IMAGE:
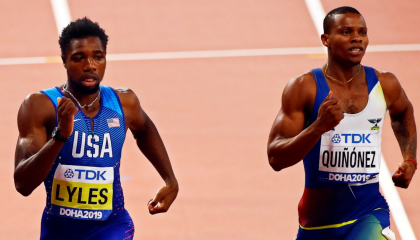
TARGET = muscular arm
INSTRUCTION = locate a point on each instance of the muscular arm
(35, 154)
(151, 145)
(288, 142)
(403, 124)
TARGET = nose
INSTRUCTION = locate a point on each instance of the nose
(90, 65)
(356, 38)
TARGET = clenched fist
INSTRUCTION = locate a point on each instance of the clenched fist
(65, 116)
(329, 114)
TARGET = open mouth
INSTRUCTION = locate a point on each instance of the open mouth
(356, 50)
(89, 80)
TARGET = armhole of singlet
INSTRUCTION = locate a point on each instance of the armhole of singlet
(54, 102)
(119, 103)
(321, 93)
(371, 78)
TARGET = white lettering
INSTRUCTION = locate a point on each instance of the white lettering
(82, 146)
(95, 146)
(106, 145)
(91, 140)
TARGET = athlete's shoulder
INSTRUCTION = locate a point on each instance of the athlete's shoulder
(305, 78)
(391, 87)
(302, 86)
(388, 80)
(127, 97)
(301, 82)
(36, 109)
(299, 93)
(37, 102)
(384, 75)
(130, 104)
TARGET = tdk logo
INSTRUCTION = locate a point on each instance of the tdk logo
(90, 174)
(351, 138)
(68, 173)
(336, 139)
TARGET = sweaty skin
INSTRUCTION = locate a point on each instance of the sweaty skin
(289, 142)
(36, 151)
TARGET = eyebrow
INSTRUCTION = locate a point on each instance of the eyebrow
(77, 53)
(81, 53)
(348, 26)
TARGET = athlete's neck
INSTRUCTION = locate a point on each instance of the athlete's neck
(340, 72)
(89, 100)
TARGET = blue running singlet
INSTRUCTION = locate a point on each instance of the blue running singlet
(84, 195)
(341, 170)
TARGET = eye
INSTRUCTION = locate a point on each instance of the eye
(99, 57)
(346, 32)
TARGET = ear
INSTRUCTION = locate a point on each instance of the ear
(325, 39)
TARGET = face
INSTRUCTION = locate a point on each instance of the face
(348, 40)
(85, 63)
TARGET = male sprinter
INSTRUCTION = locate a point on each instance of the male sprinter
(332, 117)
(70, 138)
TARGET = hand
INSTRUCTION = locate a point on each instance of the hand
(65, 114)
(163, 199)
(402, 177)
(329, 114)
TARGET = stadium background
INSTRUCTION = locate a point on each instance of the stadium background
(213, 107)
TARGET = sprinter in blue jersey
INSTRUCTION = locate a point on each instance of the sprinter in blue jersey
(70, 138)
(332, 117)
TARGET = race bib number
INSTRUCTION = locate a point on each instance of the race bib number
(82, 192)
(349, 157)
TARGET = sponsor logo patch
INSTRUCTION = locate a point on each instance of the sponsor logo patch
(68, 173)
(375, 121)
(82, 192)
(348, 156)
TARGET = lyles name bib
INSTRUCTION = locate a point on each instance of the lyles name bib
(82, 192)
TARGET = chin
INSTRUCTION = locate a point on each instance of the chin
(89, 90)
(83, 89)
(355, 61)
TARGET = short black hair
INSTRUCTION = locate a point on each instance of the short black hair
(81, 28)
(329, 19)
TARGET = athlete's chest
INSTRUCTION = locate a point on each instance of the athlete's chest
(351, 100)
(95, 141)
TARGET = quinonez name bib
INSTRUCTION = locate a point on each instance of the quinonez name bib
(349, 156)
(82, 192)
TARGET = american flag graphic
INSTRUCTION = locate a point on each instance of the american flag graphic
(113, 122)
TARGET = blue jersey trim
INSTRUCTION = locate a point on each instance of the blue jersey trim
(53, 94)
(323, 89)
(371, 78)
(112, 100)
(119, 103)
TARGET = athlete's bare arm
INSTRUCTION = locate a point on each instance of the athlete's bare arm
(35, 150)
(403, 124)
(288, 142)
(149, 142)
